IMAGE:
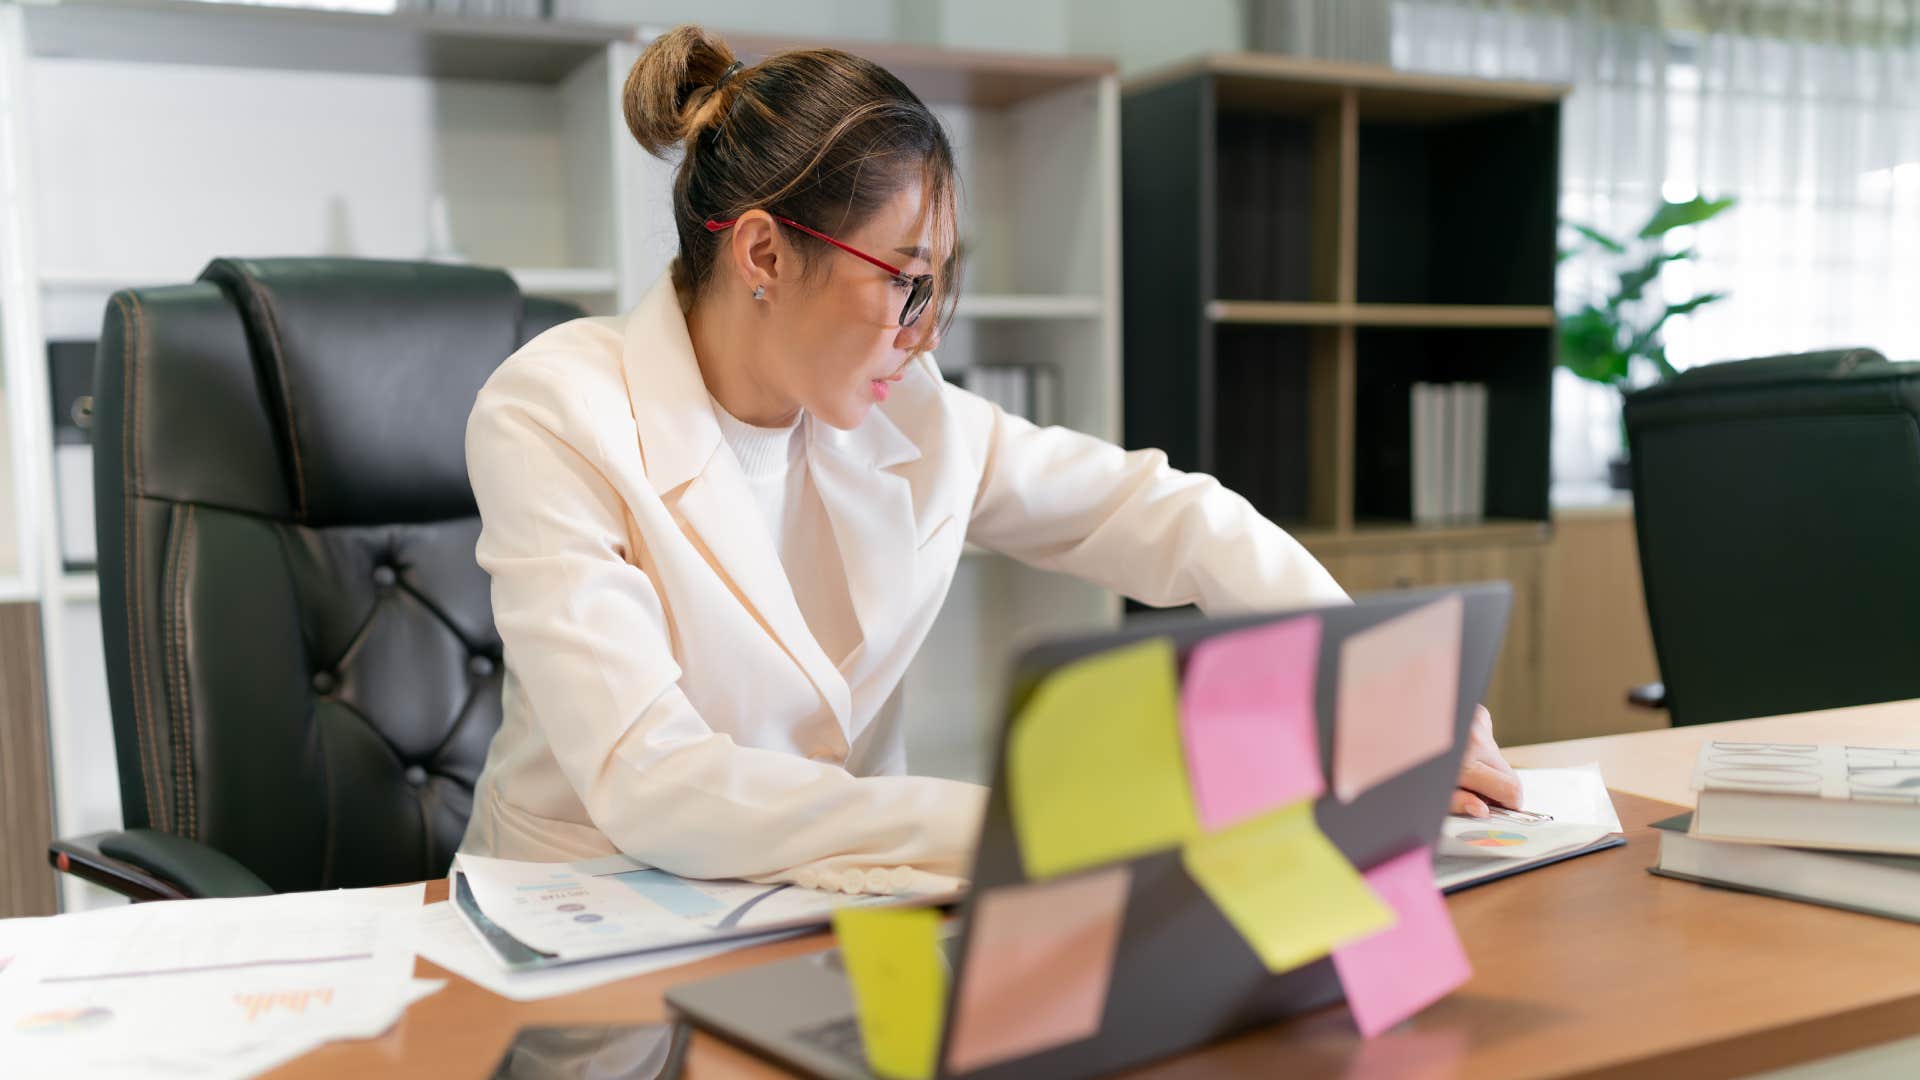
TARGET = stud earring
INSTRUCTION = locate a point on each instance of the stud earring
(759, 292)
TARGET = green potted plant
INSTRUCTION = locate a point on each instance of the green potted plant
(1615, 340)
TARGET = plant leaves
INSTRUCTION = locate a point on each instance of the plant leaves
(1644, 343)
(1686, 306)
(1598, 238)
(1589, 346)
(1673, 215)
(1633, 283)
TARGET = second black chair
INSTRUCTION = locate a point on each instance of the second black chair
(1777, 503)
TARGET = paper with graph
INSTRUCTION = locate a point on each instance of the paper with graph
(207, 988)
(555, 913)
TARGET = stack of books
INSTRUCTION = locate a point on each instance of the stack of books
(1449, 452)
(1825, 824)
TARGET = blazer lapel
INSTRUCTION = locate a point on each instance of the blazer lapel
(681, 445)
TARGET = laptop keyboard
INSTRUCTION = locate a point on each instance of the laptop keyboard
(839, 1038)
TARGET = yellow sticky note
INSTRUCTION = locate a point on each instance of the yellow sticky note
(899, 978)
(1095, 769)
(1285, 887)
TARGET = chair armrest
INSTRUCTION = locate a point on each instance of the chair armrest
(147, 864)
(1653, 695)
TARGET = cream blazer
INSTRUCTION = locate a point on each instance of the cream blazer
(663, 696)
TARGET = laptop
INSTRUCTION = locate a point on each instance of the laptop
(1181, 975)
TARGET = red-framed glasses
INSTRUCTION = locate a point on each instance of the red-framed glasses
(919, 286)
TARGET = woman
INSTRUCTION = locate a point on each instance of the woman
(720, 525)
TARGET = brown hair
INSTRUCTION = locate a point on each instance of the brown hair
(817, 135)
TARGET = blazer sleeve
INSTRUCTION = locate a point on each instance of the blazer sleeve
(1063, 500)
(589, 643)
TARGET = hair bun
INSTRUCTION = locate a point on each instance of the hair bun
(673, 90)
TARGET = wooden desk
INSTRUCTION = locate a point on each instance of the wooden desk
(1589, 968)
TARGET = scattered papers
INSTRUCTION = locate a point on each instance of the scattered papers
(207, 988)
(1583, 819)
(1573, 796)
(899, 977)
(443, 937)
(617, 906)
(1284, 886)
(1094, 764)
(1471, 849)
(1398, 972)
(1247, 714)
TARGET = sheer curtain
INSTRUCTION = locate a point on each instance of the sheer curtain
(1807, 111)
(1811, 115)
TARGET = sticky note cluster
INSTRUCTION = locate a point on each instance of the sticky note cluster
(1116, 756)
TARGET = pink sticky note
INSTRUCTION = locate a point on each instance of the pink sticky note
(1246, 715)
(1399, 682)
(1039, 960)
(1397, 972)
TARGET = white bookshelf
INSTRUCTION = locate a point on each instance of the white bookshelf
(1017, 306)
(141, 138)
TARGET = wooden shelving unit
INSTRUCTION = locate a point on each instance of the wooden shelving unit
(1317, 313)
(1305, 240)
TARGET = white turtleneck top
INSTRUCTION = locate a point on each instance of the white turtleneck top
(775, 463)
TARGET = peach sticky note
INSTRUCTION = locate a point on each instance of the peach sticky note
(1246, 711)
(1394, 974)
(1094, 768)
(1398, 685)
(1278, 879)
(899, 978)
(1039, 960)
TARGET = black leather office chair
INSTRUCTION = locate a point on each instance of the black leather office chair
(1777, 503)
(301, 654)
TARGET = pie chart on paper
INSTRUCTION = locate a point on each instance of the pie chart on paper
(1491, 838)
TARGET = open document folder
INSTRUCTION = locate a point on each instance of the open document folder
(536, 915)
(1564, 813)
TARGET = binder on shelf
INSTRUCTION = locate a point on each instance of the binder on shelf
(1025, 390)
(1456, 452)
(1449, 448)
(1474, 462)
(1425, 451)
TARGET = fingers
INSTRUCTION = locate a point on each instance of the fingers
(1464, 802)
(1480, 744)
(1490, 783)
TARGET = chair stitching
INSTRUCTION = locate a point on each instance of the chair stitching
(261, 297)
(190, 822)
(131, 313)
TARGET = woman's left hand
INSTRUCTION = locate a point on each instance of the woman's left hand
(1485, 776)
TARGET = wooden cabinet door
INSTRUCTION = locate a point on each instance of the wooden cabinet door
(1515, 695)
(1362, 572)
